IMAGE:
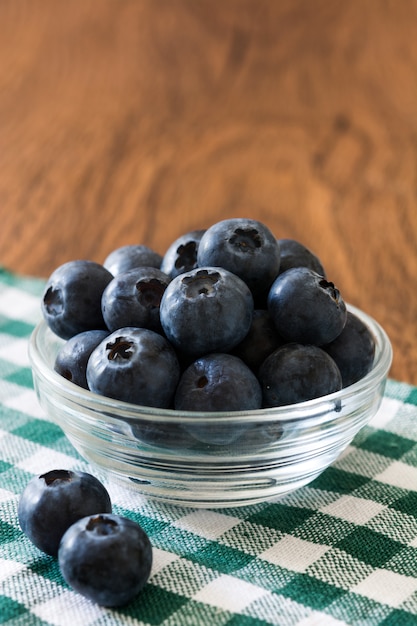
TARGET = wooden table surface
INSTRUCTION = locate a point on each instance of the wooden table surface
(134, 121)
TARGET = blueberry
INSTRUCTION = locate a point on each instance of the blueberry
(181, 255)
(305, 307)
(162, 434)
(295, 373)
(206, 310)
(246, 248)
(264, 433)
(106, 558)
(353, 350)
(217, 382)
(128, 257)
(132, 299)
(71, 360)
(52, 502)
(295, 254)
(261, 340)
(134, 365)
(71, 301)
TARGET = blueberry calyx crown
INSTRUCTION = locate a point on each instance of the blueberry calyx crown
(246, 239)
(331, 289)
(120, 348)
(56, 476)
(150, 292)
(53, 301)
(102, 525)
(202, 382)
(201, 283)
(187, 255)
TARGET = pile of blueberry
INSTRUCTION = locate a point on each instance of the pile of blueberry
(230, 318)
(103, 556)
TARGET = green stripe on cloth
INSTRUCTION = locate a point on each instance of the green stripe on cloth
(340, 551)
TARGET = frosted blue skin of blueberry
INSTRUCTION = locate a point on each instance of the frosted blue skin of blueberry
(295, 254)
(246, 248)
(296, 373)
(261, 340)
(52, 502)
(134, 365)
(353, 350)
(132, 299)
(128, 257)
(217, 382)
(167, 434)
(206, 310)
(71, 300)
(72, 358)
(305, 307)
(106, 558)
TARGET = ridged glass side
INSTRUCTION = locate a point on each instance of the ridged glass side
(268, 454)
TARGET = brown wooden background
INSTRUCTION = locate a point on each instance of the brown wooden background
(126, 121)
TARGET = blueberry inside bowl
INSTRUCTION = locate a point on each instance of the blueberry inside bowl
(216, 459)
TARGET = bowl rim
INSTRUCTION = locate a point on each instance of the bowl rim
(118, 409)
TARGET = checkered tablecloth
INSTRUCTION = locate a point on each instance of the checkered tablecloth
(342, 550)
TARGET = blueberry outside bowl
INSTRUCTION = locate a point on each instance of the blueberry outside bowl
(231, 459)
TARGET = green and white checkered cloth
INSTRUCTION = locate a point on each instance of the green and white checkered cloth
(342, 550)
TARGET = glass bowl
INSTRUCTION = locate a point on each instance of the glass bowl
(208, 459)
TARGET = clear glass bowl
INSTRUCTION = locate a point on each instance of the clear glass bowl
(229, 459)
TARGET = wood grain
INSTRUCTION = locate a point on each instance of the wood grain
(135, 121)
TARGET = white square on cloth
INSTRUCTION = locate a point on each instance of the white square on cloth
(351, 509)
(15, 350)
(161, 558)
(25, 401)
(230, 594)
(68, 609)
(399, 474)
(9, 568)
(293, 553)
(6, 495)
(321, 619)
(207, 524)
(16, 304)
(386, 412)
(35, 463)
(386, 587)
